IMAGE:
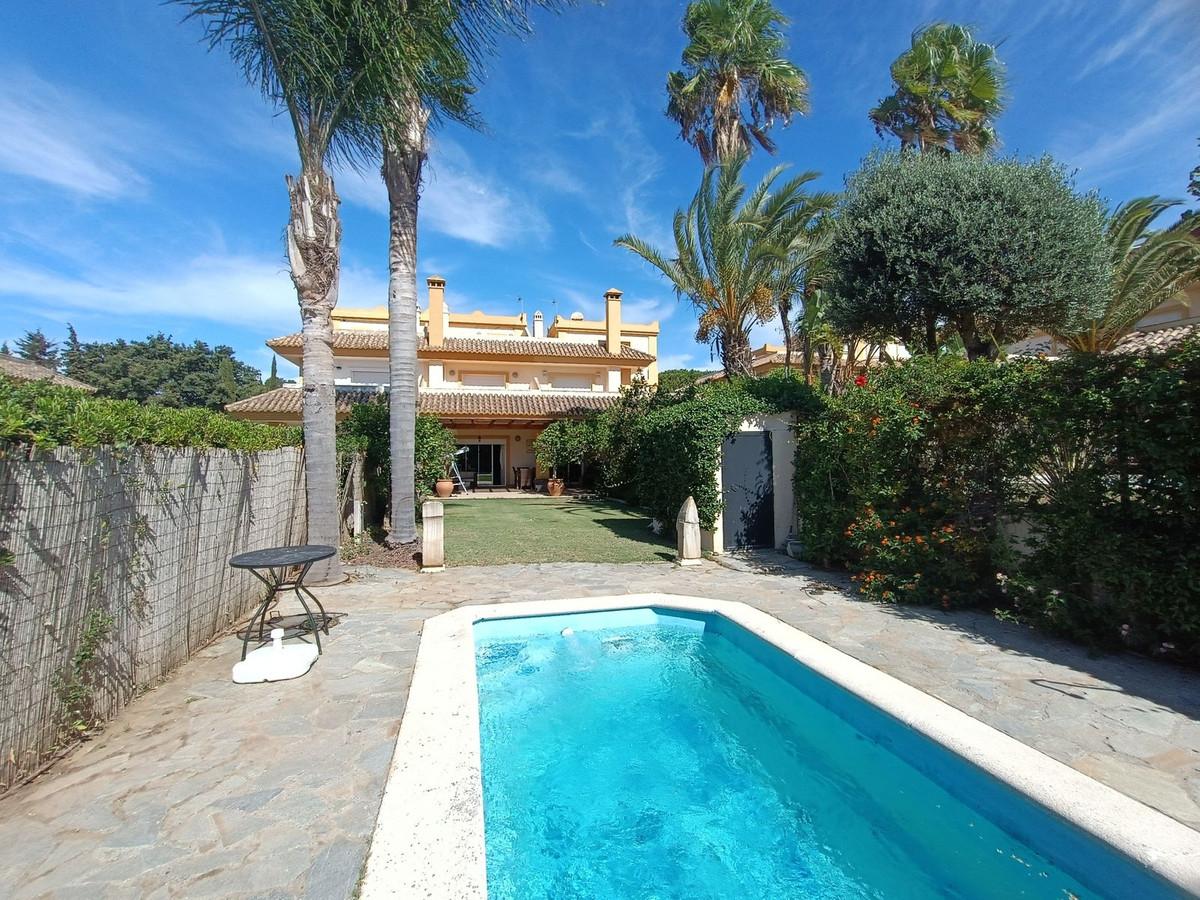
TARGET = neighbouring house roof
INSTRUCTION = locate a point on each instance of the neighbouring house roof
(375, 343)
(380, 314)
(511, 404)
(286, 402)
(766, 355)
(592, 326)
(28, 370)
(1153, 340)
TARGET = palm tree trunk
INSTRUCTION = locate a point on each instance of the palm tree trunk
(314, 235)
(735, 354)
(402, 164)
(785, 313)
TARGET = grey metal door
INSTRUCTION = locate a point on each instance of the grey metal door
(747, 491)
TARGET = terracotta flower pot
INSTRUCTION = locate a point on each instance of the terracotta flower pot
(444, 487)
(554, 486)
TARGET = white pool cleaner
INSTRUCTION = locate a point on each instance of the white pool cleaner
(275, 662)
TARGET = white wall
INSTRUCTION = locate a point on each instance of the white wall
(783, 451)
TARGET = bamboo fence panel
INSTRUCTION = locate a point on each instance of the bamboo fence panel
(141, 535)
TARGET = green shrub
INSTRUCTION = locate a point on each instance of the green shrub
(914, 481)
(659, 447)
(366, 429)
(1113, 557)
(567, 441)
(905, 479)
(46, 415)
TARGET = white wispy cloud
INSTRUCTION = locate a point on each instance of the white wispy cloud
(556, 174)
(1169, 111)
(647, 309)
(1141, 29)
(228, 289)
(459, 200)
(56, 137)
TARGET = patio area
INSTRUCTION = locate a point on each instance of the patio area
(205, 788)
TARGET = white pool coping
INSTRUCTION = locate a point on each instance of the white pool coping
(429, 837)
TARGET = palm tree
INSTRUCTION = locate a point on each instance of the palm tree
(735, 83)
(1149, 268)
(728, 248)
(445, 39)
(949, 91)
(442, 88)
(324, 63)
(801, 269)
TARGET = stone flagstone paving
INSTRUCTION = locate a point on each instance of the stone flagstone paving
(202, 788)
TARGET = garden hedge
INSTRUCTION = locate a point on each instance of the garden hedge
(1062, 493)
(46, 415)
(656, 448)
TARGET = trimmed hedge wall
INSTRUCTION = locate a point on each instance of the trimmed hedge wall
(657, 448)
(48, 415)
(1062, 493)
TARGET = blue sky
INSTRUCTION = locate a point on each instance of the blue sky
(143, 181)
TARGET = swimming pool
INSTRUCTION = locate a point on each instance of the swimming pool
(703, 749)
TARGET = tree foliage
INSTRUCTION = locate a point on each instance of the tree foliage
(948, 92)
(930, 244)
(162, 372)
(1148, 268)
(728, 246)
(735, 82)
(47, 415)
(36, 347)
(674, 379)
(566, 441)
(365, 430)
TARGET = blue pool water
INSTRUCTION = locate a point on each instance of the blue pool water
(654, 754)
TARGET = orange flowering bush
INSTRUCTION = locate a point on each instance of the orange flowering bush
(903, 479)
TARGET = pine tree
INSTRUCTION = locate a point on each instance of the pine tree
(226, 380)
(37, 348)
(69, 357)
(273, 381)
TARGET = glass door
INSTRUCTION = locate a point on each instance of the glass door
(485, 462)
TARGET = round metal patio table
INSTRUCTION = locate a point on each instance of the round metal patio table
(276, 561)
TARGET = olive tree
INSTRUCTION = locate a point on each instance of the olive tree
(930, 246)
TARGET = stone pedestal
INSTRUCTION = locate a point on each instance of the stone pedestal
(687, 531)
(433, 536)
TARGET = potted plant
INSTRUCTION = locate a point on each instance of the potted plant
(444, 486)
(555, 449)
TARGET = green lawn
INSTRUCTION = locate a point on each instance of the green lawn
(494, 532)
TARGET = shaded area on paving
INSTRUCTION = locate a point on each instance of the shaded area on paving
(202, 788)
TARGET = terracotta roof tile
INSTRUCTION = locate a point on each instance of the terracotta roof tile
(287, 401)
(516, 404)
(1157, 339)
(28, 370)
(345, 339)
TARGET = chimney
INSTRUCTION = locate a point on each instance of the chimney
(437, 309)
(612, 320)
(539, 325)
